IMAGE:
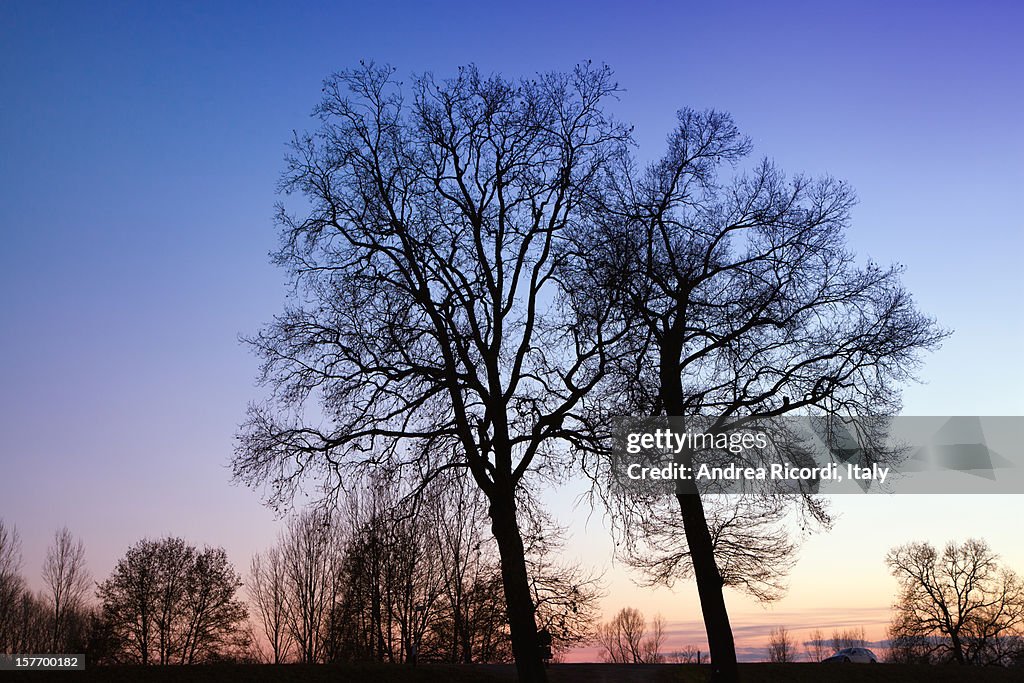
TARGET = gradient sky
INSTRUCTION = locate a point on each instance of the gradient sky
(139, 149)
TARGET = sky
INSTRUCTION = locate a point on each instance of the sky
(141, 143)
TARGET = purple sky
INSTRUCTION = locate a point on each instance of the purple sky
(140, 145)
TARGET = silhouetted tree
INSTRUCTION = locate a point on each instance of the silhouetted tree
(909, 649)
(959, 604)
(848, 637)
(67, 581)
(32, 628)
(469, 566)
(393, 571)
(45, 622)
(169, 603)
(214, 619)
(268, 594)
(12, 585)
(310, 550)
(781, 648)
(690, 654)
(741, 301)
(814, 648)
(566, 595)
(628, 639)
(425, 273)
(655, 639)
(104, 646)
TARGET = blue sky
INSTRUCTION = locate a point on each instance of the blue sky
(140, 145)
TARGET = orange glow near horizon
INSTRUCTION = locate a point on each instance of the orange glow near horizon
(751, 632)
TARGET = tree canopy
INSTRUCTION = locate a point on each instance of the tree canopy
(167, 602)
(482, 274)
(957, 604)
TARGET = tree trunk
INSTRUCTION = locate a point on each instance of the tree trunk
(709, 585)
(518, 602)
(958, 648)
(698, 537)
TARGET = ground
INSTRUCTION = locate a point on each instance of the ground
(559, 673)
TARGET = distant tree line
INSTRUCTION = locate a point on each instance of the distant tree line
(404, 578)
(782, 647)
(958, 604)
(388, 575)
(166, 602)
(818, 647)
(56, 619)
(385, 575)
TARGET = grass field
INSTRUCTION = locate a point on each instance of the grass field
(559, 673)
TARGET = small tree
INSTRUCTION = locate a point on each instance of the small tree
(267, 592)
(781, 648)
(67, 581)
(33, 632)
(688, 655)
(626, 639)
(215, 620)
(655, 640)
(12, 585)
(851, 637)
(815, 647)
(310, 550)
(959, 604)
(909, 649)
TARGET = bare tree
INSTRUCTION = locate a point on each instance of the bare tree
(565, 594)
(32, 632)
(781, 648)
(626, 639)
(620, 638)
(815, 647)
(25, 620)
(688, 655)
(468, 563)
(850, 637)
(750, 536)
(905, 648)
(268, 594)
(168, 603)
(393, 575)
(311, 554)
(424, 270)
(655, 640)
(959, 604)
(12, 585)
(213, 618)
(67, 580)
(741, 302)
